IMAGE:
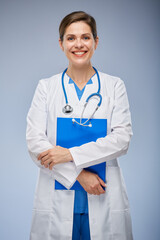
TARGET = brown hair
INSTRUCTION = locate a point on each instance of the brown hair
(76, 17)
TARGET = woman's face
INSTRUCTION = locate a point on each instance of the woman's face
(78, 44)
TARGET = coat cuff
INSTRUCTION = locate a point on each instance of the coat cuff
(75, 151)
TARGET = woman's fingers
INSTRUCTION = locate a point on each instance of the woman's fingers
(100, 190)
(44, 159)
(56, 155)
(91, 182)
(51, 166)
(102, 182)
(47, 162)
(43, 154)
(97, 190)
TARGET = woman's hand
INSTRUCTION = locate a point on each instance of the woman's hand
(55, 156)
(91, 182)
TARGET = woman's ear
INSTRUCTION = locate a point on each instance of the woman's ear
(61, 44)
(96, 42)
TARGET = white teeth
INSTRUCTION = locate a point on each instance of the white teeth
(79, 53)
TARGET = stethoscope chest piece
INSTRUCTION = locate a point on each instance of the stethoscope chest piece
(67, 109)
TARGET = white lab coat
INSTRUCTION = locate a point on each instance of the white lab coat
(109, 213)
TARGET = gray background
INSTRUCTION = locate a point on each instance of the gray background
(129, 38)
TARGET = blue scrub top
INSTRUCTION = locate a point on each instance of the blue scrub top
(81, 200)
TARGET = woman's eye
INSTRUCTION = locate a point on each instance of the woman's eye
(70, 38)
(86, 38)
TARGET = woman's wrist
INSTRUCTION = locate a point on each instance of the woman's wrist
(69, 155)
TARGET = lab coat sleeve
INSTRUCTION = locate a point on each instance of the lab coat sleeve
(37, 140)
(116, 142)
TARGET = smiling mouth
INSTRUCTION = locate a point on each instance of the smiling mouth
(79, 54)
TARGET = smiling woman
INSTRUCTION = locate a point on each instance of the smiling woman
(79, 45)
(82, 206)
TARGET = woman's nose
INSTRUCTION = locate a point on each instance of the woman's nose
(79, 43)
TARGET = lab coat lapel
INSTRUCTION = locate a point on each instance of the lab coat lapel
(89, 89)
(70, 91)
(73, 98)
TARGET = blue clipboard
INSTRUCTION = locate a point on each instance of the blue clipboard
(71, 134)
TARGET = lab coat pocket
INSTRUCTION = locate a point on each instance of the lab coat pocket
(43, 193)
(119, 206)
(40, 225)
(121, 225)
(117, 189)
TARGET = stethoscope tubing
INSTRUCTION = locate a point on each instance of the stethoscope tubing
(64, 90)
(99, 82)
(87, 100)
(99, 87)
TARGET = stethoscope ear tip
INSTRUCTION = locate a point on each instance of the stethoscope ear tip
(81, 124)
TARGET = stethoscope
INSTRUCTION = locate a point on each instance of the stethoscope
(67, 109)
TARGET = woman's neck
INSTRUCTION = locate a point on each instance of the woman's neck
(80, 75)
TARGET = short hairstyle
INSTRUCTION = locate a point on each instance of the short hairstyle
(76, 17)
